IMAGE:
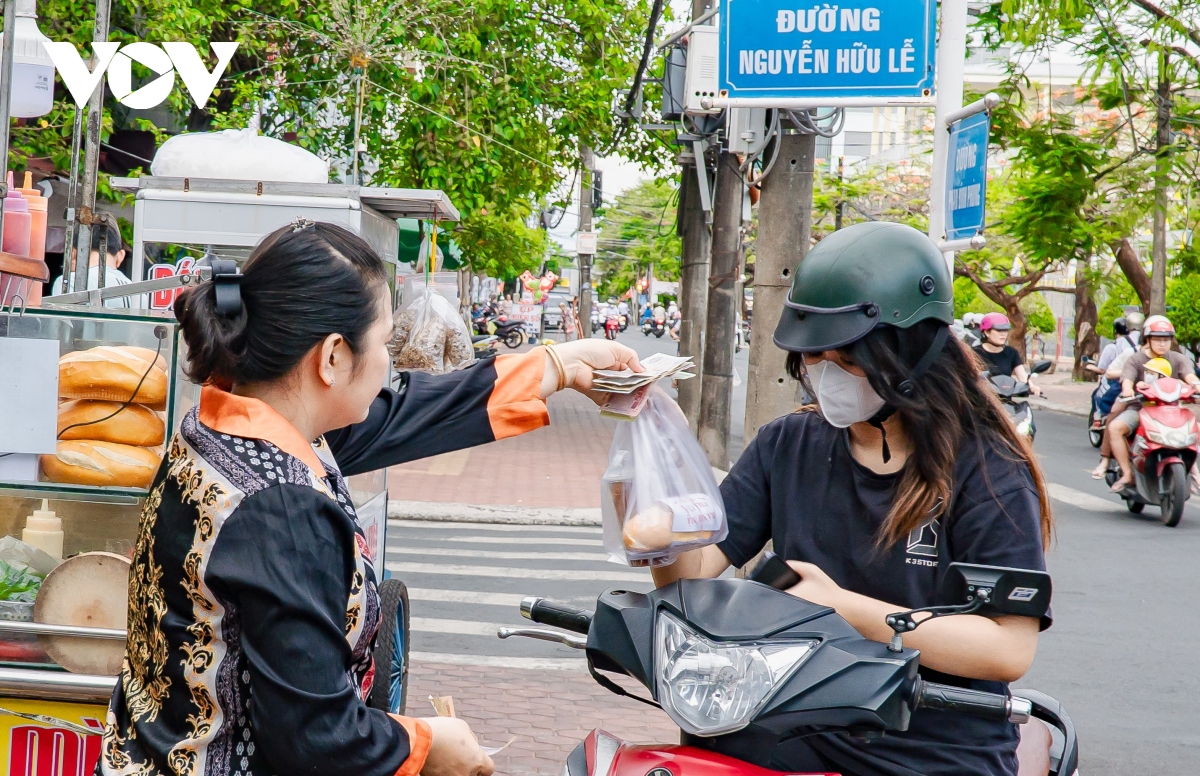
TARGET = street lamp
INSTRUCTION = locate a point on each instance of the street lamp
(32, 92)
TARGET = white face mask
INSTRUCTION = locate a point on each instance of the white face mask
(845, 398)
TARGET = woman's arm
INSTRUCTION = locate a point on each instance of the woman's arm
(705, 563)
(968, 645)
(493, 399)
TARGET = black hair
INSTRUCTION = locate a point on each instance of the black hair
(945, 407)
(299, 286)
(1120, 327)
(115, 242)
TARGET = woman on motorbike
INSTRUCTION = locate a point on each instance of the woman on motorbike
(906, 464)
(998, 356)
(253, 601)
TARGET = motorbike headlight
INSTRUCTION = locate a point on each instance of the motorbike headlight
(1023, 427)
(710, 687)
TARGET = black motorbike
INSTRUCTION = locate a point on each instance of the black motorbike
(742, 667)
(1009, 390)
(511, 333)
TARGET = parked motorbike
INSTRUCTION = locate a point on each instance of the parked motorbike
(611, 327)
(1163, 449)
(655, 326)
(741, 667)
(511, 333)
(1009, 390)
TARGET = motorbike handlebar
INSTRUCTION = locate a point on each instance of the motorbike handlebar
(556, 615)
(987, 705)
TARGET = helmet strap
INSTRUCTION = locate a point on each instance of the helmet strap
(907, 388)
(876, 420)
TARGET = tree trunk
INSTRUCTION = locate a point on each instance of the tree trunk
(1087, 340)
(1135, 273)
(1016, 317)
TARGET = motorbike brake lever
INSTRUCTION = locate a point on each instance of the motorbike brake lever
(574, 642)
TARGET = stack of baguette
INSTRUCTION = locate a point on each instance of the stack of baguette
(125, 449)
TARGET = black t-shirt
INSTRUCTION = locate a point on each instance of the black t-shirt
(798, 484)
(1002, 363)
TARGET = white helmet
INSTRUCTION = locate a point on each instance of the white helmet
(1158, 326)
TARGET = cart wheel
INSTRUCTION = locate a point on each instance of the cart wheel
(390, 691)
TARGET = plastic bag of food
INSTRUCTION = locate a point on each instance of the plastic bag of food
(658, 496)
(430, 335)
(22, 568)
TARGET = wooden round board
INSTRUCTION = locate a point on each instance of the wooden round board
(90, 589)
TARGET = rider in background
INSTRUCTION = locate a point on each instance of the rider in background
(1000, 357)
(1125, 341)
(1159, 335)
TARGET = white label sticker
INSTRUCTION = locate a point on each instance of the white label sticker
(693, 513)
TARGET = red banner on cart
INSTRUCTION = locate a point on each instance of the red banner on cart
(34, 749)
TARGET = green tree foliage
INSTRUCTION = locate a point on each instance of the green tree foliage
(637, 232)
(1183, 305)
(1120, 295)
(488, 100)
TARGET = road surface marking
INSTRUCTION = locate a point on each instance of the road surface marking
(500, 572)
(454, 552)
(464, 597)
(493, 661)
(520, 540)
(460, 627)
(1077, 498)
(439, 525)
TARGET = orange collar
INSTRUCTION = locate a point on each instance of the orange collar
(242, 416)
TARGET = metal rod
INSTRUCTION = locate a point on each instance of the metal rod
(951, 59)
(985, 103)
(55, 685)
(47, 629)
(807, 103)
(6, 68)
(70, 255)
(91, 157)
(131, 289)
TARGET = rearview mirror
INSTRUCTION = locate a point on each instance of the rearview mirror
(1040, 366)
(1021, 592)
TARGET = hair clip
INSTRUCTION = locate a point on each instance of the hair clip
(227, 285)
(302, 223)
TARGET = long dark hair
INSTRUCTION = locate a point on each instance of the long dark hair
(949, 408)
(301, 284)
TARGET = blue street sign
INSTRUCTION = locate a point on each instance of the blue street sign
(856, 49)
(966, 177)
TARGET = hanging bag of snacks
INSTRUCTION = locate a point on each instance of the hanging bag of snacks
(430, 335)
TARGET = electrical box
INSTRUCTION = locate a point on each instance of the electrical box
(703, 58)
(674, 85)
(746, 130)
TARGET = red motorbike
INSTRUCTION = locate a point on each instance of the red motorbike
(1163, 450)
(612, 327)
(742, 667)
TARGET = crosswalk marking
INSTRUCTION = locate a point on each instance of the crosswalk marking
(454, 552)
(521, 540)
(519, 573)
(1077, 498)
(464, 597)
(494, 661)
(460, 627)
(438, 525)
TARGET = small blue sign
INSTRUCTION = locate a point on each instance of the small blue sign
(856, 49)
(966, 177)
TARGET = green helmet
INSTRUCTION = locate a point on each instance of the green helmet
(860, 277)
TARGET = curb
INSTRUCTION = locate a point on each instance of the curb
(475, 513)
(1064, 409)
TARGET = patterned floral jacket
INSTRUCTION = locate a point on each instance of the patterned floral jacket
(252, 598)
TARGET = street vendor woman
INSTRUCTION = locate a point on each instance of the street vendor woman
(252, 595)
(905, 464)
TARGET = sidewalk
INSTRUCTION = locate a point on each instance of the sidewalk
(1062, 394)
(549, 712)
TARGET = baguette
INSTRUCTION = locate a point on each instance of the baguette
(111, 374)
(133, 425)
(88, 462)
(651, 531)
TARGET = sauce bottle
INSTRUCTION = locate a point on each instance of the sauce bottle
(17, 222)
(37, 231)
(43, 529)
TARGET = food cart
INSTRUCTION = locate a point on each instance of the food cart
(61, 644)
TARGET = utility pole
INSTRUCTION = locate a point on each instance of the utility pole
(693, 270)
(716, 381)
(585, 225)
(1162, 182)
(693, 288)
(952, 45)
(784, 236)
(91, 168)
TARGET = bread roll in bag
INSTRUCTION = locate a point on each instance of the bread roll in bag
(111, 374)
(88, 462)
(133, 425)
(651, 530)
